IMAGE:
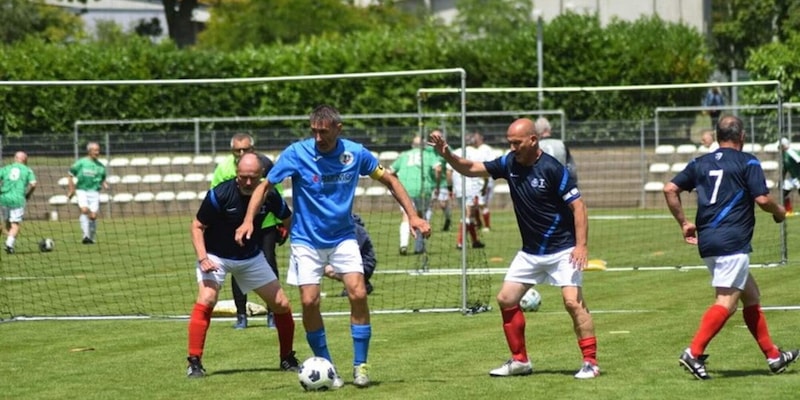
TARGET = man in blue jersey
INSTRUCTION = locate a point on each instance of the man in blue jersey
(324, 170)
(212, 230)
(554, 226)
(728, 183)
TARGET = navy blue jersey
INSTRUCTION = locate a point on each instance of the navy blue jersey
(223, 210)
(541, 195)
(726, 181)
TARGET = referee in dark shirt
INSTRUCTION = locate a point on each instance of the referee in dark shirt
(212, 230)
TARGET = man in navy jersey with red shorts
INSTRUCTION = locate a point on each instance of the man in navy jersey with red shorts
(554, 226)
(728, 183)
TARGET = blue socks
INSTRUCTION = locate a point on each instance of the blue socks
(319, 344)
(361, 335)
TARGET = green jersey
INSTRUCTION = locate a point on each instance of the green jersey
(791, 163)
(227, 170)
(88, 173)
(409, 170)
(15, 178)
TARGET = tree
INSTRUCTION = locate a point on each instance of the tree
(491, 17)
(178, 13)
(20, 19)
(739, 27)
(235, 24)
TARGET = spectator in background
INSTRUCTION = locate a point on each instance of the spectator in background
(443, 192)
(368, 259)
(707, 141)
(554, 147)
(468, 192)
(17, 183)
(416, 170)
(86, 177)
(791, 171)
(484, 153)
(713, 100)
(274, 233)
(728, 183)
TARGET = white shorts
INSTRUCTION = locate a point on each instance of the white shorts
(554, 269)
(443, 196)
(12, 215)
(791, 184)
(485, 199)
(250, 274)
(307, 265)
(88, 199)
(729, 271)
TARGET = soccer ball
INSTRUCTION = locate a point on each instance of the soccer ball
(531, 301)
(46, 245)
(316, 374)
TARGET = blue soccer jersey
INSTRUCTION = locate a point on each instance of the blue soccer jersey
(323, 189)
(541, 194)
(726, 182)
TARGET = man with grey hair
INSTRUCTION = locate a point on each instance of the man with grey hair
(86, 177)
(554, 147)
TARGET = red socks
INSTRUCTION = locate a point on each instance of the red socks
(198, 327)
(285, 326)
(514, 327)
(589, 349)
(757, 324)
(711, 323)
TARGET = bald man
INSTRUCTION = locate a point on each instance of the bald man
(17, 183)
(554, 226)
(218, 255)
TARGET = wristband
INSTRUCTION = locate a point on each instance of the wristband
(200, 261)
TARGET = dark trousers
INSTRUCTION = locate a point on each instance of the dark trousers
(268, 247)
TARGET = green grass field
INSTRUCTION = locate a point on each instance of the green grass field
(643, 319)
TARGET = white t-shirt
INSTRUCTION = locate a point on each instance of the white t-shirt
(474, 184)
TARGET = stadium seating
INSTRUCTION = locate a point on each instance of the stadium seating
(388, 156)
(686, 149)
(173, 178)
(131, 178)
(63, 181)
(752, 148)
(59, 199)
(119, 162)
(122, 198)
(186, 195)
(194, 177)
(769, 165)
(152, 178)
(180, 160)
(160, 161)
(164, 196)
(202, 160)
(139, 162)
(142, 197)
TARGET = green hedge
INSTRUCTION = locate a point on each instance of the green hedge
(578, 51)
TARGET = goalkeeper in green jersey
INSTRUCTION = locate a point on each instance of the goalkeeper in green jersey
(17, 183)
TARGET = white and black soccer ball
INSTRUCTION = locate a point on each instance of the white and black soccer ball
(46, 245)
(531, 301)
(316, 374)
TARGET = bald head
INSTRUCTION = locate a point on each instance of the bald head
(249, 171)
(522, 126)
(21, 157)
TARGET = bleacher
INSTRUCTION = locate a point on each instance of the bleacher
(667, 160)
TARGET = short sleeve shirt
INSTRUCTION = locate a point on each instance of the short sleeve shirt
(541, 195)
(15, 179)
(88, 173)
(323, 189)
(727, 182)
(223, 210)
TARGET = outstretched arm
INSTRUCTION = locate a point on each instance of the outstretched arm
(462, 165)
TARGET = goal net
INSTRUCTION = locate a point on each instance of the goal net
(158, 170)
